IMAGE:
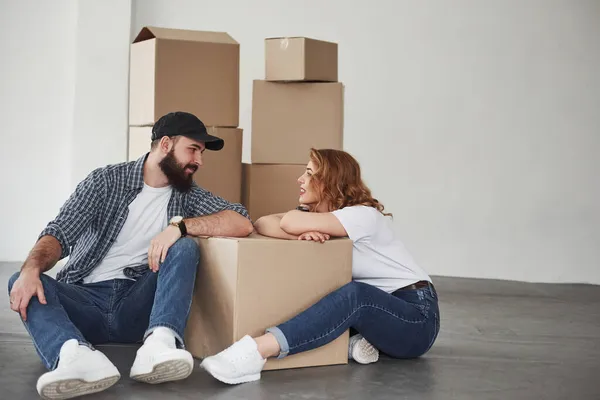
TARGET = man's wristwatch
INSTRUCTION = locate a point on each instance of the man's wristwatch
(178, 222)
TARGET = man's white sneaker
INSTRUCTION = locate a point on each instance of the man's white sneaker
(80, 371)
(361, 351)
(241, 362)
(159, 360)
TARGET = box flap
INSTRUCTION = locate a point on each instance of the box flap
(285, 37)
(299, 37)
(151, 32)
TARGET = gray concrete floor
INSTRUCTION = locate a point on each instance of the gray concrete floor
(499, 340)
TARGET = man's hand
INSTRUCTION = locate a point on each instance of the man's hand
(28, 285)
(315, 236)
(160, 245)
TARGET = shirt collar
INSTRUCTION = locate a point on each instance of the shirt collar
(135, 180)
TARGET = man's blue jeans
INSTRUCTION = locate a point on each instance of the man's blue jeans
(119, 310)
(402, 325)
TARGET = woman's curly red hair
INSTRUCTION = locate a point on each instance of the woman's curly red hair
(338, 180)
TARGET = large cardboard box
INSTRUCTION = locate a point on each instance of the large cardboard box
(290, 118)
(246, 285)
(270, 188)
(221, 172)
(182, 70)
(300, 59)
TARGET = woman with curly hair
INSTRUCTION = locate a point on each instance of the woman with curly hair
(391, 302)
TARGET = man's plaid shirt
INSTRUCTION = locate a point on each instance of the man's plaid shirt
(91, 219)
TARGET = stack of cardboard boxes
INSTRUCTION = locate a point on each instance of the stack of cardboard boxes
(299, 105)
(192, 71)
(245, 285)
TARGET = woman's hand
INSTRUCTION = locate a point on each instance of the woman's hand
(314, 236)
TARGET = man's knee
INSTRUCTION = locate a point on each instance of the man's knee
(12, 280)
(186, 247)
(46, 281)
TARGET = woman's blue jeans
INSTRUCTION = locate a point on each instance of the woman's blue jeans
(403, 324)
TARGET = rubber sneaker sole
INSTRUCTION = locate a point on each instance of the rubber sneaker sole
(69, 388)
(166, 371)
(230, 381)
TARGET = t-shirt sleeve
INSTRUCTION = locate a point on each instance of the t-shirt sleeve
(358, 221)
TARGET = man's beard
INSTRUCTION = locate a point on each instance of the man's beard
(176, 173)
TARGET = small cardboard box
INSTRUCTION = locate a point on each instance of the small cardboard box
(183, 70)
(221, 172)
(290, 118)
(270, 188)
(300, 59)
(245, 285)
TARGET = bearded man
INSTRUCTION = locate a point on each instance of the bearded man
(131, 268)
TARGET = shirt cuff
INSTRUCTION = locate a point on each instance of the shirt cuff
(240, 209)
(54, 230)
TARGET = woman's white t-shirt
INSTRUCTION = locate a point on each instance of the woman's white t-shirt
(379, 258)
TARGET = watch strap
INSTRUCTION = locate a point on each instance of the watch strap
(182, 228)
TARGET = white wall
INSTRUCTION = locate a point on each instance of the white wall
(64, 76)
(102, 86)
(476, 123)
(37, 79)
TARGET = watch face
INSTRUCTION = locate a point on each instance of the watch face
(176, 220)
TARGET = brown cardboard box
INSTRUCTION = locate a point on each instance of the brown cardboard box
(245, 285)
(181, 70)
(270, 188)
(290, 118)
(221, 172)
(300, 59)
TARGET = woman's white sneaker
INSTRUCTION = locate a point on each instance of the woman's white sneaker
(80, 371)
(239, 363)
(361, 351)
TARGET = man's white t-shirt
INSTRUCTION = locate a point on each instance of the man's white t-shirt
(379, 258)
(147, 218)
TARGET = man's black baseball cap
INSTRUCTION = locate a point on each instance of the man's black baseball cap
(185, 124)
